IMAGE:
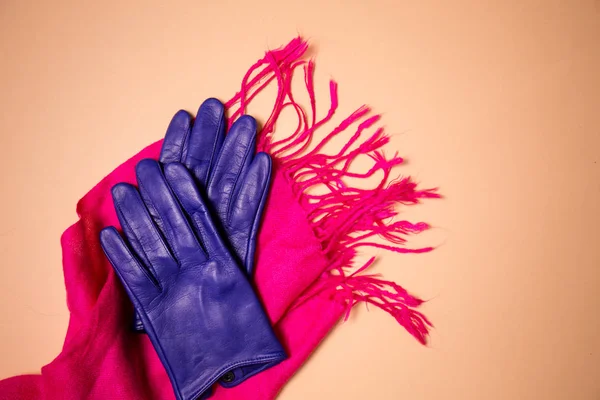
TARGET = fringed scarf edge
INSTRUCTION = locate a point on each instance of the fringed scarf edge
(345, 218)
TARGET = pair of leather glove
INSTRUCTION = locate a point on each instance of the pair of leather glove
(187, 255)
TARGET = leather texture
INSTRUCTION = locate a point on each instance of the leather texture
(225, 168)
(235, 181)
(194, 299)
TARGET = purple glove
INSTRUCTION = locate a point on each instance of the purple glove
(194, 299)
(237, 185)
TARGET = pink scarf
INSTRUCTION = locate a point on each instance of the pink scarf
(305, 274)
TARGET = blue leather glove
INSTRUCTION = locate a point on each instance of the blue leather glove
(222, 166)
(195, 302)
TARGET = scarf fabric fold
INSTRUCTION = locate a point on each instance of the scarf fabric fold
(315, 223)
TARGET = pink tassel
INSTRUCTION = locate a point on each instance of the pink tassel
(345, 217)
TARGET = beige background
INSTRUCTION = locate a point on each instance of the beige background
(497, 103)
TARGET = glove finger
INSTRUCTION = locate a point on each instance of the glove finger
(133, 241)
(184, 187)
(176, 137)
(133, 214)
(166, 211)
(205, 140)
(247, 209)
(236, 155)
(138, 283)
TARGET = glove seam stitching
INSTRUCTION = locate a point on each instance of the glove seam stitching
(146, 271)
(214, 154)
